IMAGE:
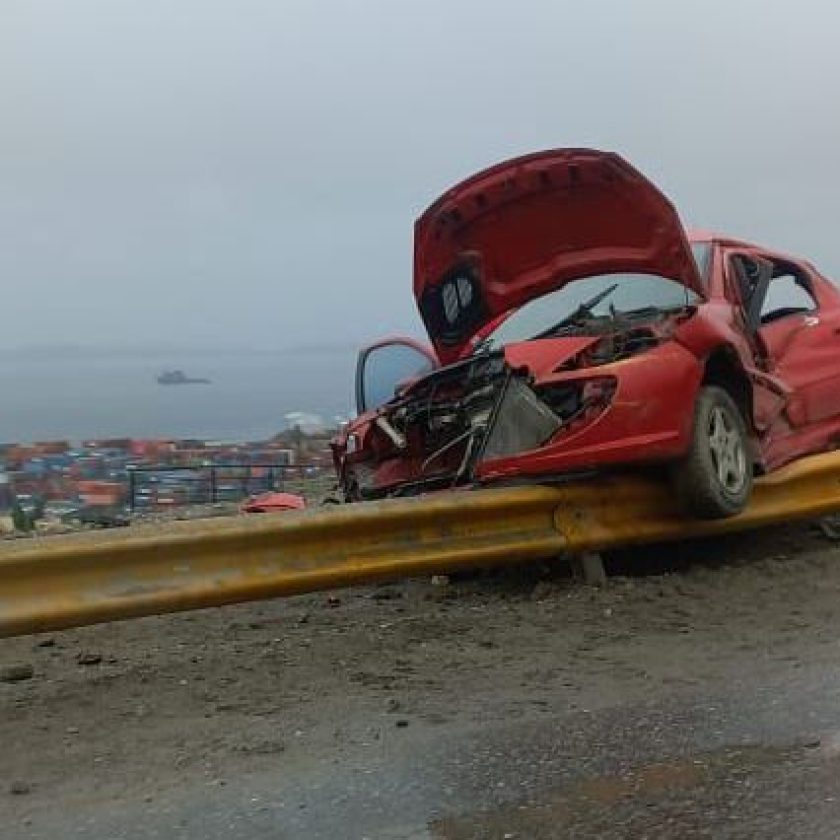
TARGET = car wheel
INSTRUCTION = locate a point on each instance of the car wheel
(715, 479)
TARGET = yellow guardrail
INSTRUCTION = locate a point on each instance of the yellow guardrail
(57, 582)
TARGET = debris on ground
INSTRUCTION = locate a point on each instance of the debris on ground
(830, 527)
(88, 658)
(19, 788)
(16, 673)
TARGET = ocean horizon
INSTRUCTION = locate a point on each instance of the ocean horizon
(89, 395)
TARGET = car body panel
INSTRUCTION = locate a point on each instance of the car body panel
(798, 356)
(645, 420)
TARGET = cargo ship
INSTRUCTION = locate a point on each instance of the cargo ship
(178, 377)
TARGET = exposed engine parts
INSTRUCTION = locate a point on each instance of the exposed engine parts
(479, 409)
(461, 414)
(615, 346)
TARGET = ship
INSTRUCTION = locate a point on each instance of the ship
(178, 377)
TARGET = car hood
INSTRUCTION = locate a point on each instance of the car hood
(531, 225)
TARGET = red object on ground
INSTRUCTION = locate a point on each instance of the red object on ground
(273, 503)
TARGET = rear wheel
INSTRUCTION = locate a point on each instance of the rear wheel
(715, 478)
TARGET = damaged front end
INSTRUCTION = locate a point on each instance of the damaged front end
(449, 423)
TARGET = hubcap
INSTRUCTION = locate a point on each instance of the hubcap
(727, 450)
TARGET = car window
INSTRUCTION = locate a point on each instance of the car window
(702, 253)
(787, 294)
(617, 292)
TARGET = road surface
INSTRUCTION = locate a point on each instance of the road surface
(699, 699)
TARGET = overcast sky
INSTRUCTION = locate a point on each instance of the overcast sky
(247, 172)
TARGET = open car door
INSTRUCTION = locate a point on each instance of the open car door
(385, 366)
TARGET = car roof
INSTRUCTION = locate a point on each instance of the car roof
(698, 235)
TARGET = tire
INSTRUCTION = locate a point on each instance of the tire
(715, 478)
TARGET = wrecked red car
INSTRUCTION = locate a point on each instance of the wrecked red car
(575, 326)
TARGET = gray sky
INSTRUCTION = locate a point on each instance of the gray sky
(247, 172)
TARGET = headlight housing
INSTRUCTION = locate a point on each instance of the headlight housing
(525, 419)
(520, 422)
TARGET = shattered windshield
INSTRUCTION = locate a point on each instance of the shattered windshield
(587, 299)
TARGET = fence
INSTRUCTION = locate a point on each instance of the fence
(152, 488)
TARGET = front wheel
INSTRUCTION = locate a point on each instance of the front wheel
(715, 479)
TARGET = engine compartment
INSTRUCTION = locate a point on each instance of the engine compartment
(615, 345)
(437, 428)
(434, 434)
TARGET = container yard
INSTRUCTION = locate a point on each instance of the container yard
(59, 482)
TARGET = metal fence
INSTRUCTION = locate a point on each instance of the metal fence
(155, 488)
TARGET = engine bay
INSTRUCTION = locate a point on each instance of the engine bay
(440, 427)
(436, 433)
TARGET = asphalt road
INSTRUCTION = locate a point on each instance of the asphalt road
(702, 702)
(761, 761)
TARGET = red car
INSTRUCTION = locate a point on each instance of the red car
(577, 327)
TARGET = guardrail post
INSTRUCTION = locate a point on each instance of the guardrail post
(132, 488)
(589, 567)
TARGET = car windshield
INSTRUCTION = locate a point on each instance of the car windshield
(586, 300)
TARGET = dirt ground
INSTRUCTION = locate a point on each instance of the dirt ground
(136, 708)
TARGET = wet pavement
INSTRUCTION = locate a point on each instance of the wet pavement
(761, 761)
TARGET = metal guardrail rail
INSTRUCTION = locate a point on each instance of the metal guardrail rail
(63, 582)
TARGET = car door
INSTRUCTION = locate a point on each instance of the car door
(800, 332)
(745, 280)
(385, 366)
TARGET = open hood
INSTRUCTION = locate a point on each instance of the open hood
(528, 226)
